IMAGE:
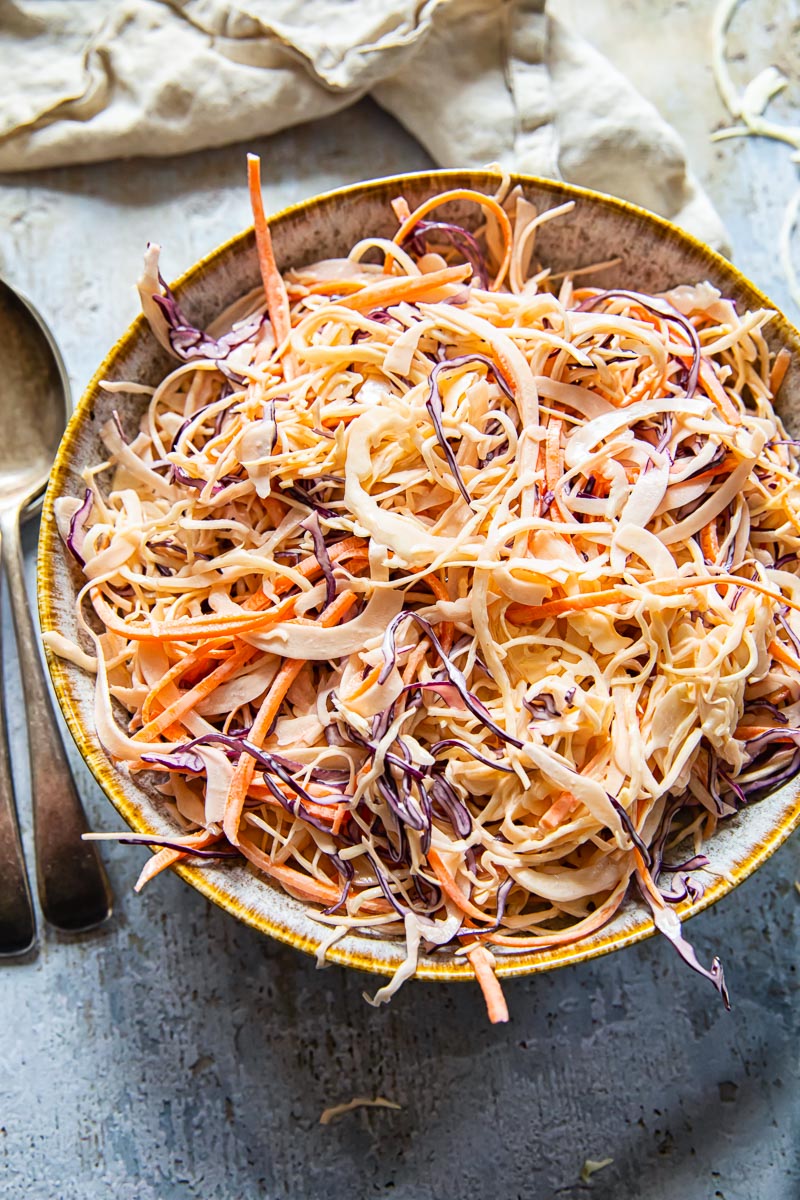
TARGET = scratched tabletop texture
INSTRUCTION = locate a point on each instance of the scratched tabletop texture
(177, 1054)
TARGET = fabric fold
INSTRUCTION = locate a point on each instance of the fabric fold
(475, 81)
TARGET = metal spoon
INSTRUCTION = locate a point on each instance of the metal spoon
(73, 887)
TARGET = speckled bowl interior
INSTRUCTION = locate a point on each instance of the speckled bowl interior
(653, 254)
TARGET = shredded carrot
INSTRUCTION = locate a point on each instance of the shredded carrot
(709, 542)
(190, 699)
(168, 857)
(779, 368)
(274, 287)
(484, 966)
(783, 654)
(522, 614)
(395, 289)
(451, 888)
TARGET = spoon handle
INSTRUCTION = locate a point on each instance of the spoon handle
(73, 886)
(17, 922)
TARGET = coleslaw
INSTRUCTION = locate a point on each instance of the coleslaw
(452, 597)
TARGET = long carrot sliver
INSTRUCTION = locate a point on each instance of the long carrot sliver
(486, 202)
(522, 614)
(300, 884)
(396, 288)
(450, 887)
(274, 287)
(483, 965)
(783, 654)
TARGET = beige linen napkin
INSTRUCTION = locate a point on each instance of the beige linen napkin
(475, 81)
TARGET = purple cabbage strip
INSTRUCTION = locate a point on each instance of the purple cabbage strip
(383, 883)
(193, 853)
(668, 923)
(189, 342)
(630, 829)
(436, 412)
(298, 492)
(502, 897)
(666, 434)
(662, 309)
(544, 701)
(404, 813)
(686, 888)
(451, 804)
(453, 674)
(457, 236)
(462, 745)
(692, 864)
(311, 524)
(347, 871)
(76, 532)
(493, 428)
(181, 759)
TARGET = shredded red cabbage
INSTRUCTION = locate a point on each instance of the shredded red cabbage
(76, 534)
(464, 241)
(323, 558)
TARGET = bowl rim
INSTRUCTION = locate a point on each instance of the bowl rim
(100, 765)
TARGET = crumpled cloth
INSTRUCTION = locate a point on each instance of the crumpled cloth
(475, 81)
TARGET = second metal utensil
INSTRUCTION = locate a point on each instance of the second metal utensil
(34, 407)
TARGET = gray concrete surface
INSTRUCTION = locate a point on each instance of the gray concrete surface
(176, 1055)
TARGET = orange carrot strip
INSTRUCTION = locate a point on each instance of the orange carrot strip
(177, 671)
(189, 699)
(324, 287)
(446, 630)
(709, 542)
(723, 467)
(166, 858)
(450, 887)
(552, 463)
(366, 683)
(486, 202)
(558, 810)
(414, 659)
(296, 883)
(523, 614)
(783, 654)
(395, 288)
(715, 391)
(483, 965)
(192, 629)
(274, 287)
(779, 368)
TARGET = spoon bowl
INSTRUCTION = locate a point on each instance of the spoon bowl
(34, 409)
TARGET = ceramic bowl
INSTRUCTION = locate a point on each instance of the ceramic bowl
(653, 255)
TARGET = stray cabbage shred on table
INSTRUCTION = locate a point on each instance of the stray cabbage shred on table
(450, 596)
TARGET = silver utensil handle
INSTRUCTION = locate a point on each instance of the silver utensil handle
(73, 886)
(17, 921)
